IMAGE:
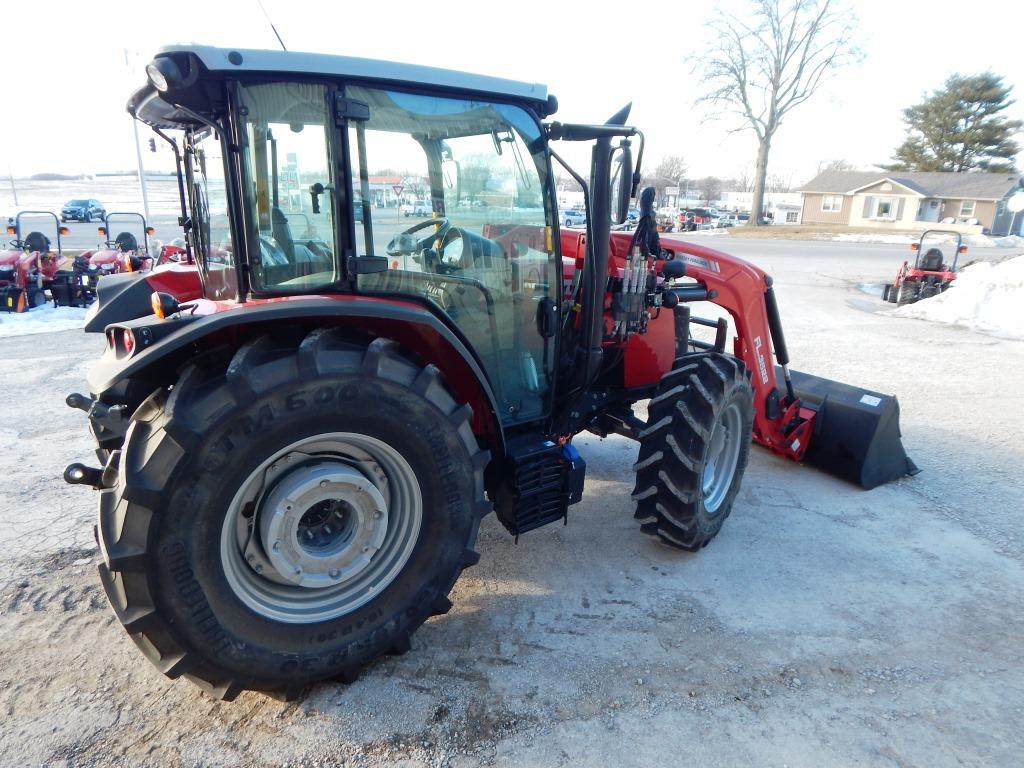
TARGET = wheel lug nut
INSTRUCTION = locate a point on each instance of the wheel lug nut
(323, 483)
(298, 571)
(277, 546)
(334, 573)
(378, 515)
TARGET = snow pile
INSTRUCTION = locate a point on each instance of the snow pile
(871, 237)
(986, 296)
(984, 241)
(42, 320)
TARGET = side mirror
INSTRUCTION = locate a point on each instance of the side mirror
(621, 185)
(315, 190)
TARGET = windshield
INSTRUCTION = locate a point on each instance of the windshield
(79, 202)
(450, 192)
(211, 230)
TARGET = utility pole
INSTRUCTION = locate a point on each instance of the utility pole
(14, 189)
(138, 154)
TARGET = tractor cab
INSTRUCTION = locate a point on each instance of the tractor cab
(28, 265)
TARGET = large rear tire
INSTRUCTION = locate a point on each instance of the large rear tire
(291, 514)
(694, 450)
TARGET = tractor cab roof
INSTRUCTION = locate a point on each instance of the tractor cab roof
(198, 65)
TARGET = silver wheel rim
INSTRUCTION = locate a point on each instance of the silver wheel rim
(321, 527)
(722, 457)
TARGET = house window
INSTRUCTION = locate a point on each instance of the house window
(885, 208)
(967, 208)
(832, 203)
(791, 217)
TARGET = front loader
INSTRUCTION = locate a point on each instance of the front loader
(295, 458)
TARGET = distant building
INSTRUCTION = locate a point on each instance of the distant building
(967, 202)
(779, 207)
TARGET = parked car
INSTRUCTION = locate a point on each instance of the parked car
(417, 208)
(733, 219)
(82, 209)
(574, 218)
(691, 219)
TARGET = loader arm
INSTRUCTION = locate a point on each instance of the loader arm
(845, 430)
(781, 423)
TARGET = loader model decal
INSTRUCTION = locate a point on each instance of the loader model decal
(761, 365)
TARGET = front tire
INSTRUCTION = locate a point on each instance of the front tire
(220, 557)
(694, 450)
(907, 293)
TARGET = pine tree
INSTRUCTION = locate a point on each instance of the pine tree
(960, 127)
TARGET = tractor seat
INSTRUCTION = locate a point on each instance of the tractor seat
(126, 242)
(932, 260)
(37, 241)
(282, 232)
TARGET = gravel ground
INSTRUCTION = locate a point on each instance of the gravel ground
(824, 626)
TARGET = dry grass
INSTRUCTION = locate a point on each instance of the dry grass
(810, 232)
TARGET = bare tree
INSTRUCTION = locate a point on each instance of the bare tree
(669, 172)
(763, 66)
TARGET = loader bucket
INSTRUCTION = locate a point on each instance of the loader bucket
(856, 432)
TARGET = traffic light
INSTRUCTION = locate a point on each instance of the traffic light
(152, 145)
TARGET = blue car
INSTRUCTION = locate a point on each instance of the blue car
(82, 210)
(574, 218)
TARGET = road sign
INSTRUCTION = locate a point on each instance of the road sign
(397, 189)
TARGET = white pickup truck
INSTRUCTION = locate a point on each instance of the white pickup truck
(417, 208)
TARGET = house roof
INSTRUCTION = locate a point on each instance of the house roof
(972, 186)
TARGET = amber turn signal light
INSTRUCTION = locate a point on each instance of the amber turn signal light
(164, 305)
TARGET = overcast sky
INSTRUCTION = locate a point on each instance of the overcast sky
(65, 80)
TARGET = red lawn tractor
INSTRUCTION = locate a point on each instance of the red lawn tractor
(28, 265)
(296, 452)
(125, 252)
(932, 272)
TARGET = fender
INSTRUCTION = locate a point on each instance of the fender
(161, 345)
(126, 295)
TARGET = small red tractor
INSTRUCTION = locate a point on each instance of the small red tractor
(122, 253)
(300, 434)
(931, 273)
(28, 266)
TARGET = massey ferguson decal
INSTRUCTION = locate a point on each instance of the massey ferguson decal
(761, 366)
(699, 261)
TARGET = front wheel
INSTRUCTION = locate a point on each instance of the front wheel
(291, 515)
(694, 450)
(907, 293)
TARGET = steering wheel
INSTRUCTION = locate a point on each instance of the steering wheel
(404, 244)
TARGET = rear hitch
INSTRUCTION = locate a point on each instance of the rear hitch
(79, 474)
(109, 422)
(81, 402)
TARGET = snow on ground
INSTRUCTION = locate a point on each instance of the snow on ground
(974, 241)
(42, 320)
(985, 296)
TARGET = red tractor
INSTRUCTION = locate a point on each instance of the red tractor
(295, 458)
(932, 272)
(123, 253)
(28, 266)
